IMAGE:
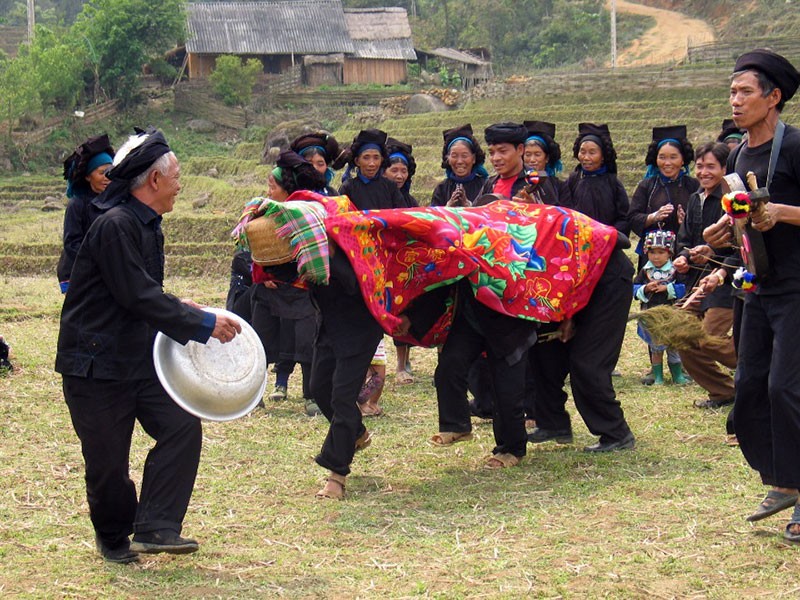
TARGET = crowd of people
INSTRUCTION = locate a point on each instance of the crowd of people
(112, 272)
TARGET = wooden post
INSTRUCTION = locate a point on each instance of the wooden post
(31, 21)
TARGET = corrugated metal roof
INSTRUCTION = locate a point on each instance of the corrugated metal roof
(280, 27)
(387, 49)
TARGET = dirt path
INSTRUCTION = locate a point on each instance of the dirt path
(665, 42)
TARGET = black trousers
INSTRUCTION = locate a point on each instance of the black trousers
(336, 381)
(103, 414)
(767, 406)
(463, 346)
(589, 358)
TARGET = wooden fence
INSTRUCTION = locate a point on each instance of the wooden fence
(727, 52)
(92, 114)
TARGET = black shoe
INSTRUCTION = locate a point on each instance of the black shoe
(475, 411)
(539, 435)
(122, 554)
(713, 404)
(163, 540)
(625, 443)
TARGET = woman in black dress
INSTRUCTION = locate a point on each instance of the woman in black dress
(85, 173)
(462, 160)
(363, 180)
(661, 198)
(543, 154)
(594, 188)
(322, 150)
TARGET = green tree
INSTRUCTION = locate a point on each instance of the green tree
(233, 80)
(18, 96)
(57, 65)
(126, 34)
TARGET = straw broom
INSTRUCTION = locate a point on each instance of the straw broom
(675, 326)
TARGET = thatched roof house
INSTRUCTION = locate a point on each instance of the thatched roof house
(333, 45)
(381, 45)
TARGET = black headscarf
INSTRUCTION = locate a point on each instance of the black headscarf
(76, 166)
(126, 168)
(505, 133)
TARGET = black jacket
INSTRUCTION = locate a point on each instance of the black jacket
(600, 197)
(377, 194)
(445, 189)
(79, 216)
(115, 303)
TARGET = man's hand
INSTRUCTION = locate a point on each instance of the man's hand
(403, 327)
(566, 331)
(699, 255)
(719, 235)
(225, 329)
(681, 264)
(524, 196)
(271, 285)
(766, 216)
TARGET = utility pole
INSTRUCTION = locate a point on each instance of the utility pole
(31, 21)
(613, 34)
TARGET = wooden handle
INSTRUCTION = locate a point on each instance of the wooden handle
(752, 182)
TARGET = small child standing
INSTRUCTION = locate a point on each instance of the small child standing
(656, 285)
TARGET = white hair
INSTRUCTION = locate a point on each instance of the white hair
(161, 165)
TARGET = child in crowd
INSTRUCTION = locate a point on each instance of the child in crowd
(655, 285)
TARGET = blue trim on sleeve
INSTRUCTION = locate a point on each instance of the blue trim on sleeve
(64, 285)
(206, 327)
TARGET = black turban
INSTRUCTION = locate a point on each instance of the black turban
(541, 127)
(140, 158)
(133, 164)
(505, 133)
(394, 146)
(674, 132)
(369, 136)
(777, 69)
(289, 159)
(600, 131)
(320, 140)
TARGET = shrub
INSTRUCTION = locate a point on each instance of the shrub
(233, 80)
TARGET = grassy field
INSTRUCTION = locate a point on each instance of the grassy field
(663, 521)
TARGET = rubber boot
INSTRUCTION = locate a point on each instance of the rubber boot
(676, 370)
(658, 375)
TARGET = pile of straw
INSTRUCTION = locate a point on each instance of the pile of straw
(673, 327)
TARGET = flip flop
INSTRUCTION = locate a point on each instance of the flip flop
(795, 520)
(448, 438)
(502, 460)
(773, 503)
(404, 377)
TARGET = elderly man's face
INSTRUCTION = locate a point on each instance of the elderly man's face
(167, 187)
(750, 106)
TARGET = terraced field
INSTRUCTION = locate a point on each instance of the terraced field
(215, 187)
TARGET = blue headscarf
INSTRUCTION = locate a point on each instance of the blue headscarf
(552, 168)
(477, 171)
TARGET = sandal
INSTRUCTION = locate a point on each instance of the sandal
(502, 460)
(370, 410)
(788, 534)
(774, 502)
(404, 377)
(364, 440)
(448, 438)
(333, 489)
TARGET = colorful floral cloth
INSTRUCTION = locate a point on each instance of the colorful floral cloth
(529, 261)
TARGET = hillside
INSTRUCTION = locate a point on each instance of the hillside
(215, 187)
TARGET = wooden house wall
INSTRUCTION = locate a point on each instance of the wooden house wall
(383, 72)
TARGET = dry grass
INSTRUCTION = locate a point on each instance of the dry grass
(663, 521)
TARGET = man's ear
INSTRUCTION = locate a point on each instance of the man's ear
(775, 95)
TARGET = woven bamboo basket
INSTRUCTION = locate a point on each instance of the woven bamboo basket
(266, 247)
